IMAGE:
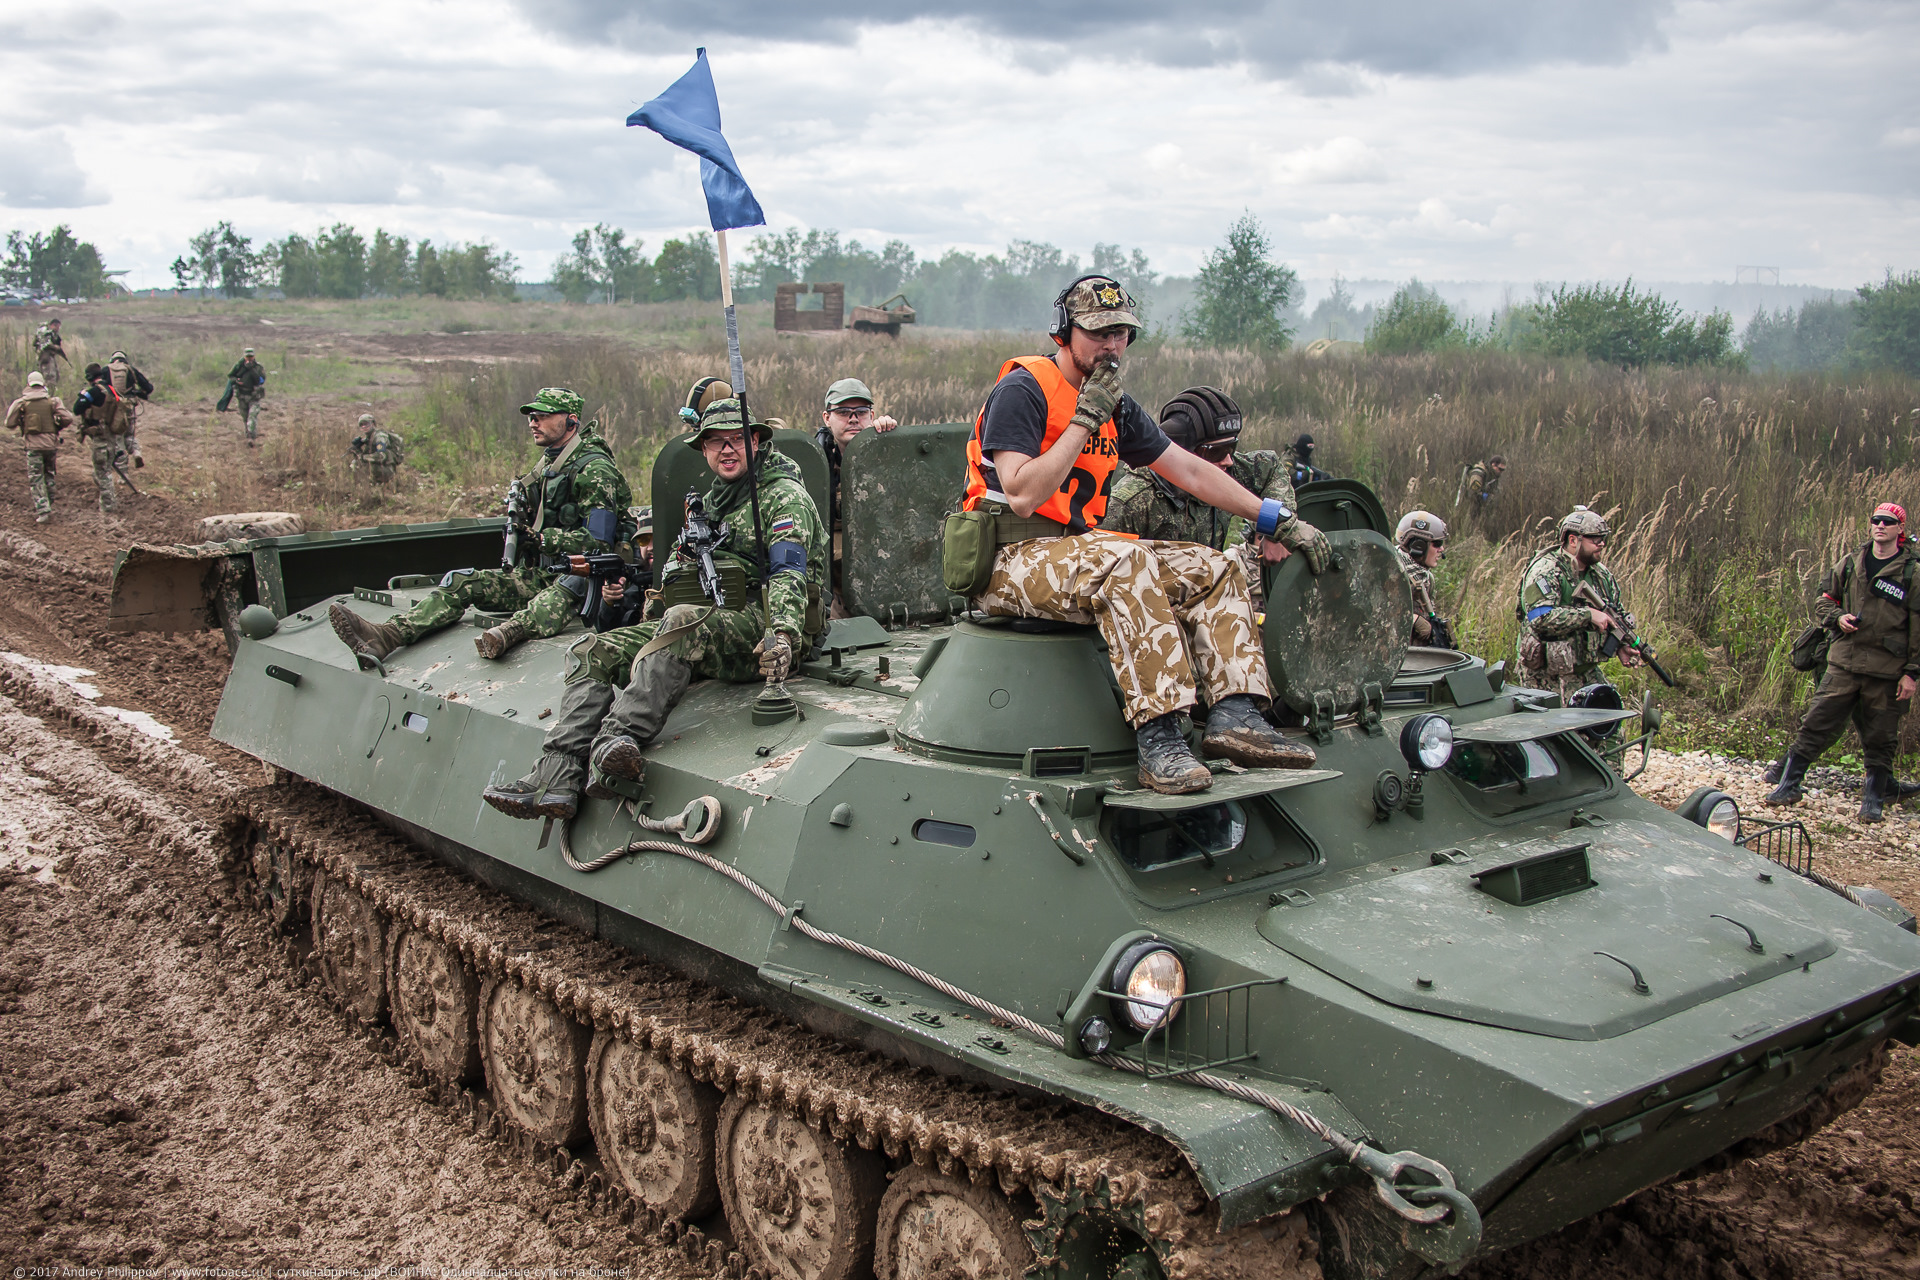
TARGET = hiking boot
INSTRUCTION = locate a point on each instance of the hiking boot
(1793, 771)
(1167, 764)
(1237, 731)
(375, 639)
(1771, 774)
(495, 641)
(551, 790)
(1899, 791)
(615, 757)
(1874, 795)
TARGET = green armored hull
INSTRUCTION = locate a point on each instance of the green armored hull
(1555, 992)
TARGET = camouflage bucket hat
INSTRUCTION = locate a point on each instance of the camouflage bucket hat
(1586, 523)
(643, 521)
(554, 400)
(1099, 304)
(725, 415)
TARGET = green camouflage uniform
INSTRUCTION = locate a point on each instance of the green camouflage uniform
(1426, 604)
(1148, 507)
(1478, 484)
(381, 450)
(583, 477)
(249, 389)
(47, 351)
(718, 643)
(1556, 632)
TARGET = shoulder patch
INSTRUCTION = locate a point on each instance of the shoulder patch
(782, 526)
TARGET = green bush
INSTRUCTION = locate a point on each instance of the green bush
(1415, 320)
(1241, 293)
(1618, 326)
(1888, 335)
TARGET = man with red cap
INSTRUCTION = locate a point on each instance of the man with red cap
(1867, 601)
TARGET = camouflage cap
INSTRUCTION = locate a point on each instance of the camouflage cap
(1099, 303)
(118, 355)
(643, 521)
(1420, 524)
(554, 400)
(36, 380)
(366, 420)
(247, 352)
(724, 415)
(1586, 523)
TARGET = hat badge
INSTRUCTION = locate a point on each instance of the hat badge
(1108, 296)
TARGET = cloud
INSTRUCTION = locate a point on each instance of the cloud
(1342, 159)
(38, 171)
(1275, 37)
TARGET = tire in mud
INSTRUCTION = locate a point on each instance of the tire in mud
(350, 947)
(937, 1226)
(536, 1062)
(801, 1204)
(654, 1127)
(435, 1003)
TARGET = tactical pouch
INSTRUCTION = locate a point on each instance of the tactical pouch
(684, 587)
(1533, 652)
(966, 553)
(1810, 648)
(1563, 657)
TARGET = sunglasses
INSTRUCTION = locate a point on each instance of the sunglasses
(1888, 520)
(1216, 450)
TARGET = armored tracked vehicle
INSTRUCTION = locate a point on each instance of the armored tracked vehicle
(917, 981)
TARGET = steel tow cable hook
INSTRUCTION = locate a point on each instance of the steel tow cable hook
(1440, 1197)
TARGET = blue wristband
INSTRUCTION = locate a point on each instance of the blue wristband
(1273, 514)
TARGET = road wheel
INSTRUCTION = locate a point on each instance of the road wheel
(536, 1062)
(350, 944)
(934, 1226)
(801, 1204)
(654, 1127)
(436, 1005)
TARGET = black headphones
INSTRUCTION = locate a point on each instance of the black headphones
(1062, 324)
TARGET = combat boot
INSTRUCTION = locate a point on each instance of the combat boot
(1899, 792)
(619, 757)
(1793, 771)
(495, 641)
(1771, 774)
(551, 790)
(1167, 764)
(1873, 796)
(375, 639)
(1237, 731)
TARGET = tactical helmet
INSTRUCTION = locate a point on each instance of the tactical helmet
(118, 355)
(703, 394)
(1588, 524)
(554, 400)
(725, 415)
(1200, 416)
(1420, 524)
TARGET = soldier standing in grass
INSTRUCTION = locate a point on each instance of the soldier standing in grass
(48, 353)
(39, 418)
(1867, 600)
(248, 383)
(576, 488)
(103, 423)
(1559, 637)
(622, 685)
(382, 451)
(134, 389)
(1177, 618)
(1421, 540)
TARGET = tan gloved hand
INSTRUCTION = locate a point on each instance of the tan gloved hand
(1297, 535)
(1098, 395)
(776, 655)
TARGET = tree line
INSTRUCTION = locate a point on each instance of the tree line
(338, 262)
(1877, 328)
(55, 264)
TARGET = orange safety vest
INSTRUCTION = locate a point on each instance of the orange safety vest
(1081, 500)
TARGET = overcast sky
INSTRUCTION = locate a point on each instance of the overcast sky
(1450, 139)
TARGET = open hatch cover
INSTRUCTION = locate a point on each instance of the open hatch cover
(1530, 726)
(1227, 786)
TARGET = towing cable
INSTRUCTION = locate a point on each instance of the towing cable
(1418, 1189)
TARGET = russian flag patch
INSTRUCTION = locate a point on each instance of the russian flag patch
(782, 527)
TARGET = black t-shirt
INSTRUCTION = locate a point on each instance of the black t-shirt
(1874, 564)
(1016, 419)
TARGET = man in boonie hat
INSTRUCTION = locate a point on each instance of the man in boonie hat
(1866, 601)
(573, 503)
(246, 388)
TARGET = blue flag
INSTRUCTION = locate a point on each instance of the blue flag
(688, 115)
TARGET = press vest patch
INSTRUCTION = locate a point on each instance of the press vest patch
(1890, 589)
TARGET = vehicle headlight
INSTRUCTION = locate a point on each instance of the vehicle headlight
(1723, 819)
(1427, 742)
(1151, 978)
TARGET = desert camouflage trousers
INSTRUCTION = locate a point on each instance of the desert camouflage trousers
(542, 604)
(104, 449)
(717, 643)
(1176, 615)
(40, 479)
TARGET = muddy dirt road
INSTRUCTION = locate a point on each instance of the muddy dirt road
(173, 1093)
